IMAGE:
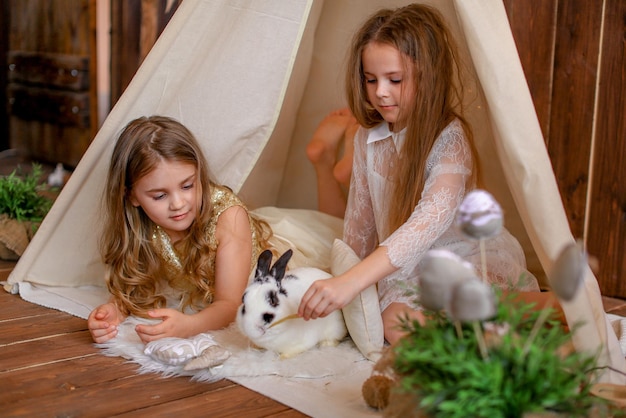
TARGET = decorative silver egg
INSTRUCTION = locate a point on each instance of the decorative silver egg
(479, 215)
(471, 300)
(439, 271)
(568, 271)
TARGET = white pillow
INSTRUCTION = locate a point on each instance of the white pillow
(362, 315)
(177, 351)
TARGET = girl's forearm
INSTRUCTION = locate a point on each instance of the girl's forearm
(218, 315)
(371, 269)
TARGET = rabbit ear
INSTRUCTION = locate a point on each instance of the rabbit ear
(263, 266)
(278, 269)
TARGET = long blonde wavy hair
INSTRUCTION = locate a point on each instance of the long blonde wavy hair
(133, 264)
(421, 36)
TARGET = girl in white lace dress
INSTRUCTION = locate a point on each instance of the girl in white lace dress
(414, 161)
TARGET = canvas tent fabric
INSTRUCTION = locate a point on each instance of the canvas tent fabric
(252, 79)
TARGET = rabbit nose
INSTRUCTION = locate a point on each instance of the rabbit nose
(268, 317)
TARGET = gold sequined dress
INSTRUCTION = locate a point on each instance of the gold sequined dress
(222, 198)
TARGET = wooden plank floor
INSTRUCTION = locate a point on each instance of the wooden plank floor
(49, 367)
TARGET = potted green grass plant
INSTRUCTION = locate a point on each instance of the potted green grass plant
(23, 205)
(445, 369)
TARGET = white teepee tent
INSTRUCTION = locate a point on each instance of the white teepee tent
(252, 79)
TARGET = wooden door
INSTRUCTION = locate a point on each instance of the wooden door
(51, 90)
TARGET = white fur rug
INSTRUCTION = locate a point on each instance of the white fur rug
(245, 361)
(314, 376)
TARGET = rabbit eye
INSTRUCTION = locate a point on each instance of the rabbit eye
(272, 298)
(268, 317)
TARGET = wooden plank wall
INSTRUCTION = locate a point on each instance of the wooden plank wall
(135, 27)
(4, 46)
(573, 57)
(607, 214)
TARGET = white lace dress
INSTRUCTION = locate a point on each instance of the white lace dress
(431, 225)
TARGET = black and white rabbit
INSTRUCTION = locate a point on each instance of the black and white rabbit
(268, 314)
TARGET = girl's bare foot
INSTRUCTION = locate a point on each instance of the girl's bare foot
(323, 148)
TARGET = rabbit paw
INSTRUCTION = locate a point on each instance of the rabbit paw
(329, 343)
(283, 355)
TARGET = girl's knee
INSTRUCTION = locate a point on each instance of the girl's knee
(393, 317)
(392, 332)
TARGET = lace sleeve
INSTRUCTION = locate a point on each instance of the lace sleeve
(359, 222)
(448, 169)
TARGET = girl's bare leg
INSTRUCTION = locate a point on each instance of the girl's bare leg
(392, 319)
(392, 314)
(343, 169)
(322, 151)
(323, 147)
(540, 300)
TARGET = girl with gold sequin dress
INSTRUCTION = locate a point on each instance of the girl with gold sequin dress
(178, 248)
